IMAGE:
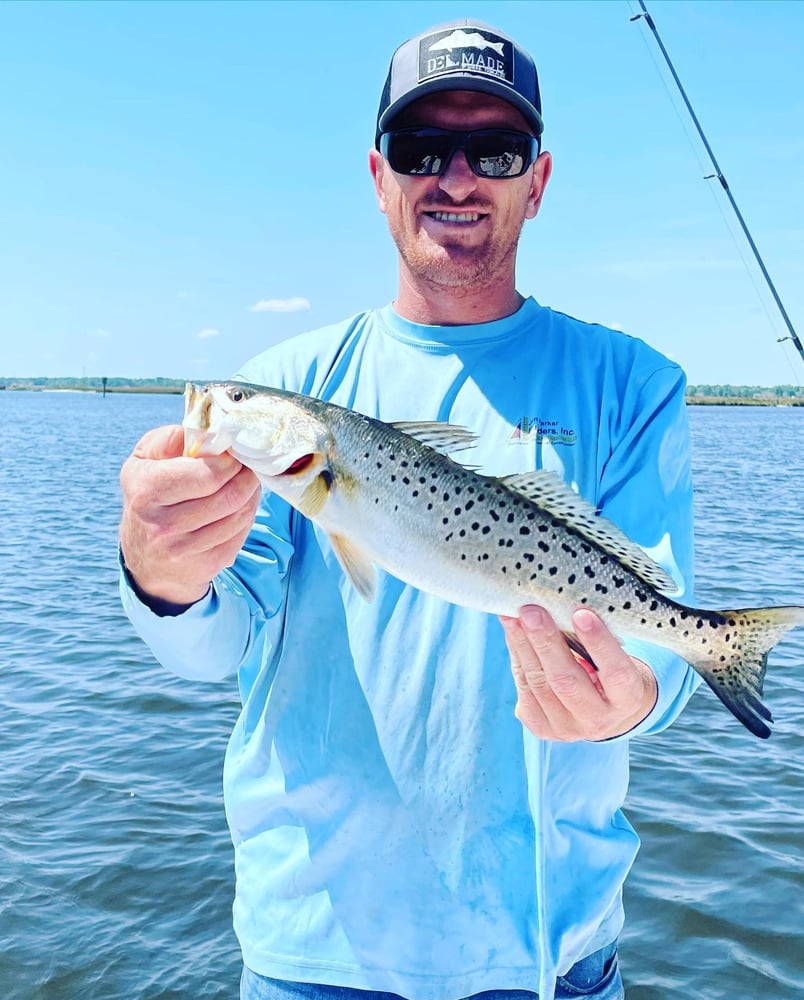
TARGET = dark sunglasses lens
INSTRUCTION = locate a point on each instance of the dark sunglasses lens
(417, 152)
(500, 154)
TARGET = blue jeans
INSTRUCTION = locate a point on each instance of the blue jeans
(596, 977)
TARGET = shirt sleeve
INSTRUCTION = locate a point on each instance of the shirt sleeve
(646, 489)
(215, 637)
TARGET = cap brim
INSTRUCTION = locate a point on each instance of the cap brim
(479, 85)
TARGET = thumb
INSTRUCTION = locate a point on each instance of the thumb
(161, 442)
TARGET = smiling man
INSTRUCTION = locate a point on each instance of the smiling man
(425, 800)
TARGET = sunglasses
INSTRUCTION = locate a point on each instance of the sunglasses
(490, 152)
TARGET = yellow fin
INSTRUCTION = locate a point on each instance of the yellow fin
(315, 496)
(356, 566)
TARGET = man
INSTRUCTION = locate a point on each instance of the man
(405, 818)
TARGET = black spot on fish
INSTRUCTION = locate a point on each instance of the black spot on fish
(433, 489)
(544, 546)
(673, 624)
(529, 556)
(640, 594)
(445, 520)
(544, 527)
(589, 572)
(524, 530)
(588, 548)
(469, 504)
(601, 588)
(415, 493)
(653, 605)
(511, 518)
(569, 549)
(494, 515)
(406, 481)
(475, 525)
(626, 605)
(571, 578)
(486, 529)
(553, 570)
(446, 498)
(404, 463)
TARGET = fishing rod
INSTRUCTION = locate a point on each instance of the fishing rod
(718, 174)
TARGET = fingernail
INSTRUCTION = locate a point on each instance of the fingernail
(533, 617)
(585, 621)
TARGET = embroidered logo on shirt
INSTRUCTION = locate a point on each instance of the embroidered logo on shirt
(534, 429)
(473, 51)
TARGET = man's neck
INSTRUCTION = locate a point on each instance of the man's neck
(444, 305)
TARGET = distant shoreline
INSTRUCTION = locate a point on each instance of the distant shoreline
(177, 389)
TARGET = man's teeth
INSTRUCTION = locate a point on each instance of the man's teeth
(455, 216)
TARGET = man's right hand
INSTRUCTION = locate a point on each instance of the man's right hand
(184, 519)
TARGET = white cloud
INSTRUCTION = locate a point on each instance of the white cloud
(280, 306)
(207, 332)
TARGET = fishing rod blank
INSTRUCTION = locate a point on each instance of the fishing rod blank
(723, 182)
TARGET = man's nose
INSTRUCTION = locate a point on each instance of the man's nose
(458, 180)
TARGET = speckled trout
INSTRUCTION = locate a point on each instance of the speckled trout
(389, 495)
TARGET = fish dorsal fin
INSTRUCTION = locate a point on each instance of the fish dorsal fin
(356, 565)
(442, 437)
(553, 495)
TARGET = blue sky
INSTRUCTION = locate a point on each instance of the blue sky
(184, 184)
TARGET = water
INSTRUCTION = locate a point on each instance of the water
(115, 862)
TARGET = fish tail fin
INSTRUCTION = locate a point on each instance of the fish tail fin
(736, 659)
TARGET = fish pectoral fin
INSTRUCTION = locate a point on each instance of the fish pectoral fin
(314, 498)
(356, 565)
(442, 437)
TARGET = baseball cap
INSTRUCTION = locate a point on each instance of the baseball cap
(461, 55)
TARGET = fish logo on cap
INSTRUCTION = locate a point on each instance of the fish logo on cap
(459, 51)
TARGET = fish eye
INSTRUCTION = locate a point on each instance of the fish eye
(236, 395)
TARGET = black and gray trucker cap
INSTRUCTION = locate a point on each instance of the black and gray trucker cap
(461, 55)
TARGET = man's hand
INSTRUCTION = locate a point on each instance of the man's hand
(557, 698)
(184, 519)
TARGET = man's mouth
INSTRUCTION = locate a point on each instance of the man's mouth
(441, 216)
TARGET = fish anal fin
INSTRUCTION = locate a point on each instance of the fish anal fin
(356, 565)
(579, 649)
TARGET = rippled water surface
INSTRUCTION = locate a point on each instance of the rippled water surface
(115, 862)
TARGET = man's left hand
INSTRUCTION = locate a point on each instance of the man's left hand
(558, 698)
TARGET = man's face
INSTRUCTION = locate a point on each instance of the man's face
(459, 229)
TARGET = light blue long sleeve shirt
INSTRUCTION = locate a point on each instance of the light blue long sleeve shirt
(395, 827)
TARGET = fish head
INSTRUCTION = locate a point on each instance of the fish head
(268, 430)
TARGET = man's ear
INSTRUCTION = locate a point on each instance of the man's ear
(377, 168)
(542, 169)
